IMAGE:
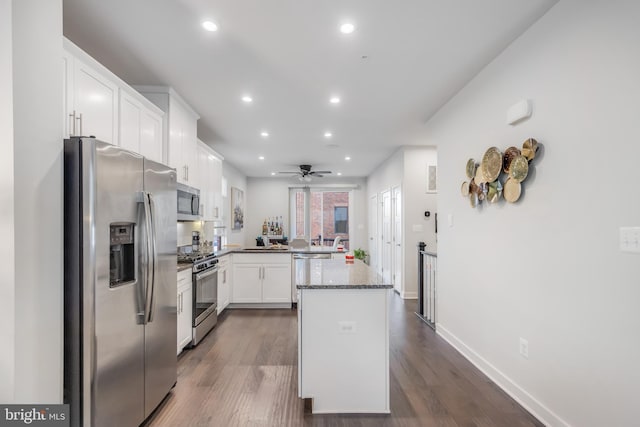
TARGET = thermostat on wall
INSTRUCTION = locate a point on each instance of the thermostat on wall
(519, 111)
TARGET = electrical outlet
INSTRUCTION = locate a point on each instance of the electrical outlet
(524, 348)
(630, 239)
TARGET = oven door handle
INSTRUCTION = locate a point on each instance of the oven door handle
(207, 273)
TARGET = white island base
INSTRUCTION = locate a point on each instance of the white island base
(343, 350)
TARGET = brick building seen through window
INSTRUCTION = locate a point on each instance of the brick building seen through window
(329, 217)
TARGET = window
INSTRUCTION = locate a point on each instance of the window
(328, 216)
(340, 219)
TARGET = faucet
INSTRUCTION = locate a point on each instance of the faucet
(336, 242)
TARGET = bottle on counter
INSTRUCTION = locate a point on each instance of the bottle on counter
(264, 227)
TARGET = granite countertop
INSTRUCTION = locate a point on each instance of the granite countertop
(282, 250)
(338, 274)
(184, 266)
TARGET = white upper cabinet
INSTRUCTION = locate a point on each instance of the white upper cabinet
(98, 103)
(140, 128)
(209, 182)
(91, 102)
(181, 131)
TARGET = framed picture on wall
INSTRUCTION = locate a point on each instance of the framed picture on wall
(237, 209)
(432, 179)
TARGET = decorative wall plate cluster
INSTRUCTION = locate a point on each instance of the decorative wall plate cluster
(485, 181)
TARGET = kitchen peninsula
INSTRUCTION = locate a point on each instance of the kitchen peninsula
(343, 337)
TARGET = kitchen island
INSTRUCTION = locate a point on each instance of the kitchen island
(343, 338)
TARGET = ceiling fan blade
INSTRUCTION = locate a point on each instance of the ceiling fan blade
(319, 172)
(294, 173)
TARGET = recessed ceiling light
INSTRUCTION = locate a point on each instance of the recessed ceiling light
(339, 174)
(347, 158)
(334, 100)
(261, 158)
(264, 134)
(247, 99)
(273, 173)
(347, 28)
(328, 134)
(209, 26)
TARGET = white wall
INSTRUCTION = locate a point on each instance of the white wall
(7, 270)
(37, 96)
(415, 201)
(269, 197)
(407, 168)
(548, 268)
(234, 178)
(266, 198)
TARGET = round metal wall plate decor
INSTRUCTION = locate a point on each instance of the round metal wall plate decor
(519, 168)
(471, 168)
(491, 164)
(529, 148)
(486, 179)
(512, 190)
(509, 154)
(465, 189)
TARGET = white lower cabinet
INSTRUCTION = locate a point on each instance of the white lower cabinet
(276, 283)
(261, 278)
(247, 284)
(185, 309)
(224, 283)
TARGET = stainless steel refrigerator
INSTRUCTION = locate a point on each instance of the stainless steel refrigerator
(120, 284)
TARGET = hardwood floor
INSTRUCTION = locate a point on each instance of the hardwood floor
(244, 373)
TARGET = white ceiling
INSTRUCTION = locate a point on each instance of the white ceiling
(403, 62)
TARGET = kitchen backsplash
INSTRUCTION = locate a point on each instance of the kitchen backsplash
(207, 231)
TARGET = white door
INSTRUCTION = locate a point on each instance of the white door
(397, 240)
(373, 231)
(385, 237)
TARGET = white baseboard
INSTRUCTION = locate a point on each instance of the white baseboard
(530, 403)
(409, 295)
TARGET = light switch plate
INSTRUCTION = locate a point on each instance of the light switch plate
(630, 239)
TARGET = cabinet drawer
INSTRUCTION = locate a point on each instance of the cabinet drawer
(272, 258)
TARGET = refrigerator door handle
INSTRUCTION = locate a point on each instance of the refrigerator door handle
(154, 257)
(149, 257)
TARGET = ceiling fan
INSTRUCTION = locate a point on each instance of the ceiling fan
(305, 173)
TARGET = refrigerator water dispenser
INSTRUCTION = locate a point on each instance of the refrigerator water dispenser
(121, 255)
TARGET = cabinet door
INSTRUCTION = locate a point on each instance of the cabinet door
(176, 124)
(67, 94)
(130, 110)
(204, 182)
(223, 289)
(247, 284)
(216, 188)
(96, 99)
(184, 318)
(276, 284)
(190, 148)
(151, 135)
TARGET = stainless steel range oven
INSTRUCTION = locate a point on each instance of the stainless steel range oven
(205, 294)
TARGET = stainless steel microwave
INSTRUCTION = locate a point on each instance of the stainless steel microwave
(188, 203)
